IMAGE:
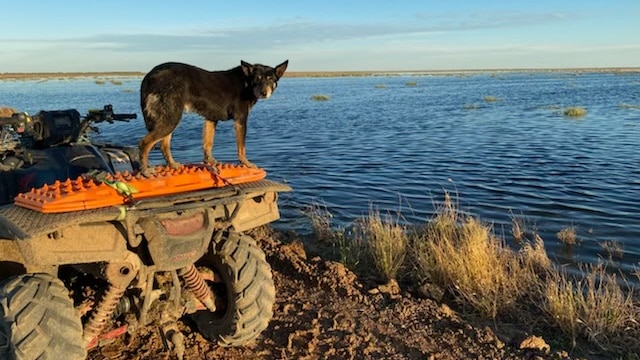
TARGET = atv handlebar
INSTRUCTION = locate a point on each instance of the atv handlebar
(106, 114)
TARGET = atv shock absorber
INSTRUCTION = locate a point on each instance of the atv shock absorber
(101, 314)
(119, 276)
(196, 284)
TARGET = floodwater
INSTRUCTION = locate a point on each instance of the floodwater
(397, 143)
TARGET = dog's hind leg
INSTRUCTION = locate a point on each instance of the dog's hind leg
(208, 137)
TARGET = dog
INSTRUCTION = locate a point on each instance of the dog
(171, 88)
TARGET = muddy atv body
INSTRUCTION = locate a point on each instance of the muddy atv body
(73, 279)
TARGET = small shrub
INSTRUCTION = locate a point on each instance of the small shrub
(575, 111)
(518, 227)
(596, 307)
(320, 218)
(464, 256)
(320, 97)
(613, 248)
(387, 243)
(349, 250)
(567, 235)
(630, 106)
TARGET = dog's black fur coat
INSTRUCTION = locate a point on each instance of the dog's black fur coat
(171, 88)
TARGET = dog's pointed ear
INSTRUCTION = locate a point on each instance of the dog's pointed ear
(247, 68)
(281, 68)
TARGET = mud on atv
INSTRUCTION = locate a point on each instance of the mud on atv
(71, 280)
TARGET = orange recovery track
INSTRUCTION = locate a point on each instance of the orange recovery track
(86, 193)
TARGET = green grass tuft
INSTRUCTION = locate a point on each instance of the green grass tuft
(320, 97)
(574, 111)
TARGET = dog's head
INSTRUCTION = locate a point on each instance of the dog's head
(263, 79)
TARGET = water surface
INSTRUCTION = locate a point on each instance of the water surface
(382, 142)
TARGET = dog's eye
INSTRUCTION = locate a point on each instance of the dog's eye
(259, 77)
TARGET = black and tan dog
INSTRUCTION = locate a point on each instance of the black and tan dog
(171, 88)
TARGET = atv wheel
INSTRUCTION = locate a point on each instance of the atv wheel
(38, 320)
(247, 292)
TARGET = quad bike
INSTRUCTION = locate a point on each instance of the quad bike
(89, 249)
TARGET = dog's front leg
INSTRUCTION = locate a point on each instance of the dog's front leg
(208, 136)
(165, 147)
(240, 125)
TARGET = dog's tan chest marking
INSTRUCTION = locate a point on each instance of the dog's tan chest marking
(188, 107)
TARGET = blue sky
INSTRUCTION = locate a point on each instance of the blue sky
(130, 35)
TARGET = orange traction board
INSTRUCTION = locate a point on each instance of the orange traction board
(86, 193)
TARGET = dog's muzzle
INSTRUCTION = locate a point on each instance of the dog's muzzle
(264, 92)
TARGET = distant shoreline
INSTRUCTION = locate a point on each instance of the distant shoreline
(346, 73)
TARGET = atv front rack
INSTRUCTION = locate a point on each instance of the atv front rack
(86, 192)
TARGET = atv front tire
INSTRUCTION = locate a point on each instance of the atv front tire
(248, 292)
(38, 320)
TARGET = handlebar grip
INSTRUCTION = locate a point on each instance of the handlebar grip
(124, 116)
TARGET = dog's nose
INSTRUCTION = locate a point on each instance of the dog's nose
(263, 92)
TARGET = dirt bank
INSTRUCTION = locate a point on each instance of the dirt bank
(323, 311)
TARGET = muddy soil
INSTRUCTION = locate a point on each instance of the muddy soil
(323, 311)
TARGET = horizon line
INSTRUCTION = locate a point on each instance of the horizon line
(320, 73)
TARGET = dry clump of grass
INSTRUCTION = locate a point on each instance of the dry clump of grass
(349, 250)
(490, 99)
(574, 111)
(595, 308)
(463, 255)
(518, 227)
(320, 97)
(613, 248)
(629, 106)
(460, 253)
(567, 235)
(100, 82)
(386, 242)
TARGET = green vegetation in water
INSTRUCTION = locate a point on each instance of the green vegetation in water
(380, 86)
(456, 253)
(629, 106)
(490, 98)
(116, 82)
(320, 97)
(574, 111)
(567, 235)
(411, 83)
(127, 90)
(100, 82)
(472, 107)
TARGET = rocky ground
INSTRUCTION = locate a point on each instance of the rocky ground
(323, 311)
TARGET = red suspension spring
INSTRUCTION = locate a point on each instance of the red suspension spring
(101, 314)
(195, 283)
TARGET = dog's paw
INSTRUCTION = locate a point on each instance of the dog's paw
(174, 165)
(249, 164)
(148, 172)
(210, 161)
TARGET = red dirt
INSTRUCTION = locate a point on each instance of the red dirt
(323, 311)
